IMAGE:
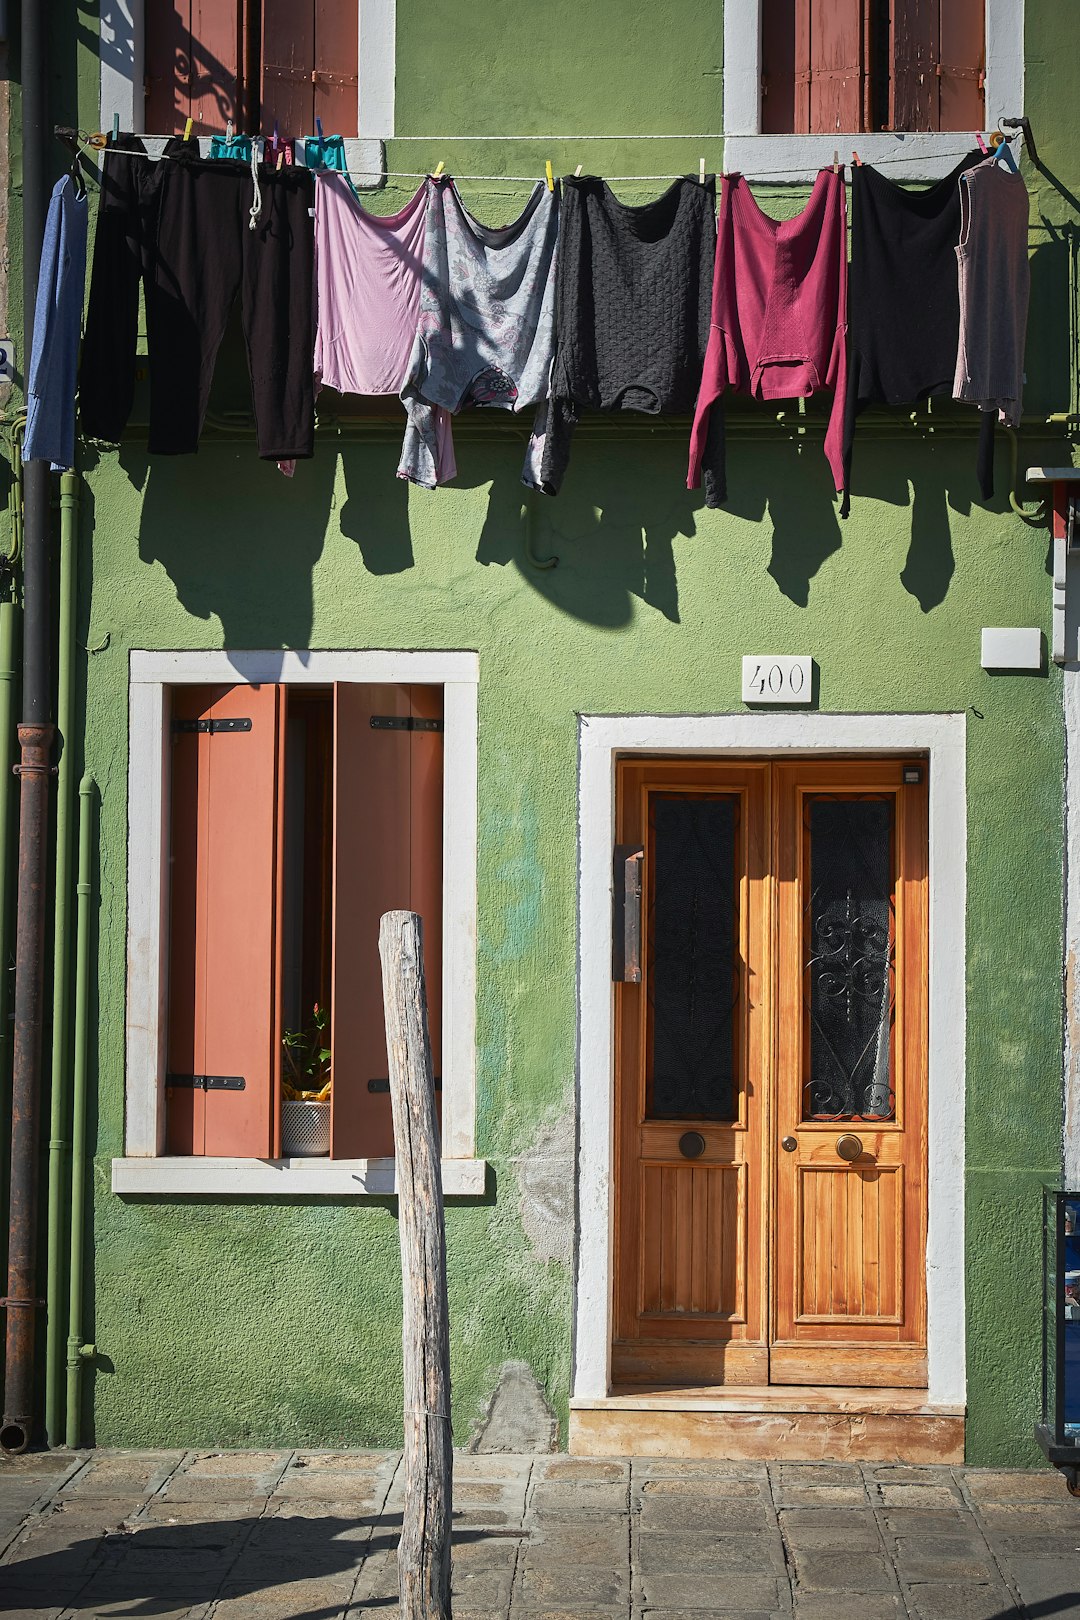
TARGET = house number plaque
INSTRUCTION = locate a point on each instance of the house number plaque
(777, 678)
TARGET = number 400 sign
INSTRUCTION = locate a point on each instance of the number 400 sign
(776, 678)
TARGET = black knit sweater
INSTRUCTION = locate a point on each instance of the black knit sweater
(633, 288)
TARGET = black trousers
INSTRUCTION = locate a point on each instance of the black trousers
(123, 261)
(205, 255)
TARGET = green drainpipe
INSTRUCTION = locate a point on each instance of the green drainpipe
(78, 1353)
(10, 613)
(59, 1145)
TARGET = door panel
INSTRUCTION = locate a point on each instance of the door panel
(690, 1240)
(771, 1075)
(850, 1081)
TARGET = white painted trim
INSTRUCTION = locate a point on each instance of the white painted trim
(120, 51)
(283, 1178)
(150, 675)
(377, 69)
(943, 737)
(905, 157)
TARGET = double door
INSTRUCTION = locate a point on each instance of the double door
(771, 1050)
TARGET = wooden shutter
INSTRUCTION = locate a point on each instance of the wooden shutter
(387, 857)
(938, 58)
(194, 65)
(813, 66)
(309, 54)
(224, 972)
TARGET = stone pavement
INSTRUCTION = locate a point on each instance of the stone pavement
(311, 1536)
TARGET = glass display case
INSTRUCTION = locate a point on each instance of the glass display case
(1059, 1432)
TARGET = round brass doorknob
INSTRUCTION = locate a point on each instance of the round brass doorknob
(789, 1144)
(849, 1147)
(691, 1144)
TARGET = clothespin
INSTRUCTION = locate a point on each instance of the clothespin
(275, 134)
(437, 170)
(983, 148)
(188, 128)
(855, 158)
(280, 158)
(701, 171)
(228, 129)
(835, 161)
(115, 127)
(318, 128)
(549, 177)
(577, 171)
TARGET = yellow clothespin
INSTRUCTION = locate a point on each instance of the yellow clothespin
(549, 176)
(835, 161)
(435, 173)
(280, 159)
(701, 171)
(188, 128)
(577, 171)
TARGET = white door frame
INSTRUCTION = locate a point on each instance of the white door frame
(601, 739)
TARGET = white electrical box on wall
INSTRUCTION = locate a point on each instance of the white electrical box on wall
(777, 678)
(1012, 649)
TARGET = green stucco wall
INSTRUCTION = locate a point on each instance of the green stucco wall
(233, 1322)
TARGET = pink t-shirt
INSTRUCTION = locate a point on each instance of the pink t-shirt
(367, 284)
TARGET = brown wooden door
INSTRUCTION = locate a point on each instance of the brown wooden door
(691, 1059)
(850, 1232)
(781, 1007)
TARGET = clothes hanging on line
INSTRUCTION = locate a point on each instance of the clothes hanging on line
(632, 292)
(367, 276)
(485, 330)
(779, 313)
(904, 302)
(54, 353)
(994, 286)
(123, 262)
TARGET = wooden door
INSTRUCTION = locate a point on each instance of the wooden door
(691, 1058)
(849, 1235)
(770, 1214)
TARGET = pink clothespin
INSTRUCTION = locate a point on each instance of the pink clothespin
(983, 148)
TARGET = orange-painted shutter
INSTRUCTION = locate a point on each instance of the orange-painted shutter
(387, 857)
(309, 54)
(194, 65)
(938, 53)
(224, 973)
(813, 67)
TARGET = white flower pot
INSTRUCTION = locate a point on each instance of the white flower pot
(305, 1129)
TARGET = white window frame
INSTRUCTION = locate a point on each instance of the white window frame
(122, 49)
(793, 158)
(603, 738)
(146, 1168)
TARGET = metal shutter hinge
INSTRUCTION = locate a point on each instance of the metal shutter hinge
(204, 1082)
(403, 722)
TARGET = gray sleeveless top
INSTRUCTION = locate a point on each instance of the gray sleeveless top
(994, 283)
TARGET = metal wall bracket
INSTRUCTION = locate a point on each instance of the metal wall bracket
(204, 1082)
(384, 1085)
(404, 722)
(626, 914)
(212, 725)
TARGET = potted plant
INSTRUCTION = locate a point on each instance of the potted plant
(305, 1089)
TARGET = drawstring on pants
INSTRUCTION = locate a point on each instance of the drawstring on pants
(256, 201)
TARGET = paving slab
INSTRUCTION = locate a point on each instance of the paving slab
(820, 1495)
(710, 1555)
(848, 1606)
(741, 1594)
(577, 1589)
(1053, 1583)
(818, 1571)
(831, 1529)
(943, 1561)
(991, 1602)
(818, 1474)
(919, 1496)
(707, 1514)
(1016, 1485)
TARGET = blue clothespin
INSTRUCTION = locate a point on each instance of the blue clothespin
(318, 128)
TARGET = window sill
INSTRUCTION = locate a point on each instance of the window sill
(791, 159)
(284, 1178)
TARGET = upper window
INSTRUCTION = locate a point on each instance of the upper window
(853, 66)
(264, 66)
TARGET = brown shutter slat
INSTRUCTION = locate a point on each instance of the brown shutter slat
(961, 94)
(916, 52)
(837, 72)
(193, 55)
(167, 43)
(288, 55)
(387, 857)
(224, 984)
(337, 47)
(778, 67)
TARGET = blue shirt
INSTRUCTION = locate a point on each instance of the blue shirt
(50, 407)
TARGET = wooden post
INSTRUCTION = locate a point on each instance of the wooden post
(424, 1550)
